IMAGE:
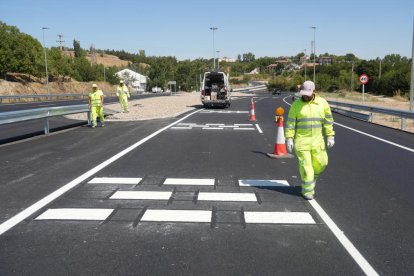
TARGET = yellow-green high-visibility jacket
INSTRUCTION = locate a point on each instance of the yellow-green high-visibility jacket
(305, 122)
(122, 90)
(96, 97)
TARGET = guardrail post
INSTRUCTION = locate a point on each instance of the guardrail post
(89, 117)
(403, 122)
(46, 126)
(371, 116)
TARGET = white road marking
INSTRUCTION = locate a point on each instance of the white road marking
(225, 112)
(115, 180)
(209, 196)
(243, 124)
(181, 128)
(141, 195)
(279, 217)
(189, 181)
(263, 183)
(214, 124)
(244, 128)
(258, 128)
(177, 216)
(13, 221)
(369, 135)
(75, 214)
(359, 259)
(216, 128)
(375, 137)
(347, 244)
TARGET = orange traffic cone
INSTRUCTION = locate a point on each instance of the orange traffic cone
(280, 144)
(252, 113)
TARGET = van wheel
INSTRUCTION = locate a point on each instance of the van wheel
(205, 105)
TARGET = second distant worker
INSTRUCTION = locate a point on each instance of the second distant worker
(123, 94)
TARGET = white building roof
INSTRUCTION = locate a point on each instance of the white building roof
(128, 72)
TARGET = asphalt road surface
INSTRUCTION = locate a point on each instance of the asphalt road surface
(197, 195)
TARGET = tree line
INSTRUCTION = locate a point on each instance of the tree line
(21, 53)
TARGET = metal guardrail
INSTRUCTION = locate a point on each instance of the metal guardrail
(42, 113)
(47, 96)
(403, 114)
(250, 89)
(352, 114)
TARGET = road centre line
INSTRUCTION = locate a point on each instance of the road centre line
(259, 129)
(115, 180)
(16, 219)
(189, 181)
(245, 128)
(369, 135)
(75, 214)
(346, 243)
(209, 128)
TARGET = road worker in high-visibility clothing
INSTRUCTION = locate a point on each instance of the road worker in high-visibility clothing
(123, 94)
(96, 98)
(307, 117)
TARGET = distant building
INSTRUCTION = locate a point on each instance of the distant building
(325, 60)
(308, 64)
(255, 71)
(227, 59)
(137, 81)
(303, 59)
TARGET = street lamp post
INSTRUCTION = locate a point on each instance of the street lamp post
(412, 74)
(44, 50)
(304, 50)
(218, 60)
(314, 54)
(214, 50)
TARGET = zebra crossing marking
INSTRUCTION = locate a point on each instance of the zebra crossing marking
(279, 217)
(189, 181)
(263, 183)
(115, 180)
(212, 196)
(75, 214)
(177, 216)
(152, 195)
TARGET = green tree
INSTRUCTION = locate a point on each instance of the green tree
(77, 48)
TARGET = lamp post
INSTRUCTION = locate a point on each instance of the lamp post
(214, 50)
(44, 50)
(314, 54)
(218, 60)
(412, 74)
(304, 50)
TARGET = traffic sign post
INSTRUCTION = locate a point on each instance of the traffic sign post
(363, 79)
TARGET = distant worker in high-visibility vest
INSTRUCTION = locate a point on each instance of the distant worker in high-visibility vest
(96, 98)
(307, 117)
(123, 94)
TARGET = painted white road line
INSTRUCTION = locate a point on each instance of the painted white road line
(214, 124)
(242, 197)
(189, 181)
(244, 128)
(375, 137)
(359, 259)
(75, 214)
(369, 135)
(177, 216)
(181, 128)
(214, 128)
(263, 183)
(13, 221)
(279, 217)
(243, 125)
(259, 129)
(152, 195)
(115, 180)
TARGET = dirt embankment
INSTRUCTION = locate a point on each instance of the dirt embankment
(18, 88)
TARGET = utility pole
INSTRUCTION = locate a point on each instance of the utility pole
(218, 60)
(60, 41)
(214, 50)
(44, 50)
(314, 55)
(412, 74)
(304, 50)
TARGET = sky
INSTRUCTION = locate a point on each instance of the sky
(181, 28)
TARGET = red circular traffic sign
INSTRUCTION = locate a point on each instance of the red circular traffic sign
(363, 79)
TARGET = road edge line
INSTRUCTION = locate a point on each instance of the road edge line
(346, 243)
(27, 212)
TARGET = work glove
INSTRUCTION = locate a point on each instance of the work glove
(289, 144)
(330, 142)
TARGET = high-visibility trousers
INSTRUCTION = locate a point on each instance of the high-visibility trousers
(123, 100)
(97, 111)
(311, 164)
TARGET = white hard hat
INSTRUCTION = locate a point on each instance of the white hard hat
(94, 85)
(121, 81)
(307, 88)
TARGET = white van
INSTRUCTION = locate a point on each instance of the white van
(215, 89)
